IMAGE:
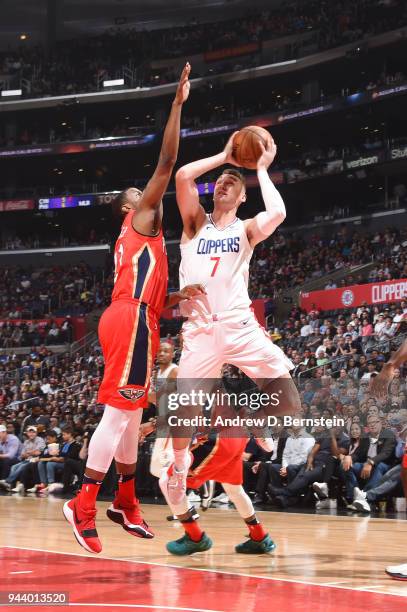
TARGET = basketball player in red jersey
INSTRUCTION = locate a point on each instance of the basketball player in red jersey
(379, 388)
(217, 455)
(220, 458)
(129, 336)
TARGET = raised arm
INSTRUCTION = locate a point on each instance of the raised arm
(264, 223)
(192, 212)
(151, 199)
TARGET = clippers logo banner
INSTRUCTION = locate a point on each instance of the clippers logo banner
(355, 295)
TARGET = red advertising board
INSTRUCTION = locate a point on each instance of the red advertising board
(355, 295)
(10, 205)
(211, 56)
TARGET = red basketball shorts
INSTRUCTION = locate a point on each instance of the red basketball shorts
(129, 335)
(220, 461)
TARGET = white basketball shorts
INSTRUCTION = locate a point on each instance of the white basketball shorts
(233, 337)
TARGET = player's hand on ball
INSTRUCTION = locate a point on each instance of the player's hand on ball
(184, 85)
(228, 150)
(191, 291)
(267, 156)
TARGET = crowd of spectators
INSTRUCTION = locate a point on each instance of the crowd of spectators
(353, 342)
(15, 333)
(103, 56)
(49, 410)
(29, 293)
(295, 259)
(52, 400)
(278, 265)
(355, 464)
(336, 355)
(214, 110)
(296, 162)
(15, 241)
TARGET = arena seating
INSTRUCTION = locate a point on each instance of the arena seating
(334, 24)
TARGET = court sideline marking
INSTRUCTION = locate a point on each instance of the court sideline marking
(122, 605)
(214, 571)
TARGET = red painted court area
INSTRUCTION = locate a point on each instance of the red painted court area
(94, 582)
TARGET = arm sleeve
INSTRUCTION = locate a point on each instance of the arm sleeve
(275, 212)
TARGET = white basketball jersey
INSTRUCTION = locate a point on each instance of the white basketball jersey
(219, 260)
(165, 373)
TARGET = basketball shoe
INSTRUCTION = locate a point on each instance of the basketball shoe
(360, 500)
(186, 546)
(321, 489)
(254, 547)
(173, 483)
(6, 486)
(129, 517)
(83, 525)
(37, 488)
(398, 572)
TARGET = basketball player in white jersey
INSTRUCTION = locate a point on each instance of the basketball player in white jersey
(162, 455)
(221, 328)
(166, 367)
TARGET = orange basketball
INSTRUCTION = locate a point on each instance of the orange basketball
(246, 145)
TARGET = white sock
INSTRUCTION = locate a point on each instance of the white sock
(181, 459)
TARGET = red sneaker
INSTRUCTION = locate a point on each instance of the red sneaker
(130, 519)
(83, 525)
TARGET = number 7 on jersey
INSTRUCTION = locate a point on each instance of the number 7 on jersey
(215, 267)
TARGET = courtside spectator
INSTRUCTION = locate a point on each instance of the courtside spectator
(10, 448)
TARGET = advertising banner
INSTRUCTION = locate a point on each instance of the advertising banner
(10, 205)
(355, 295)
(212, 56)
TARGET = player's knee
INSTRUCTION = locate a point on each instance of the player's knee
(240, 499)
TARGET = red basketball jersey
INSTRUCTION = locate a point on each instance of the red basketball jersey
(141, 267)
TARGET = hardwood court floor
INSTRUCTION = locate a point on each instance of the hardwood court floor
(337, 553)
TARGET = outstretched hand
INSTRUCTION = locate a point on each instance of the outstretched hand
(184, 85)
